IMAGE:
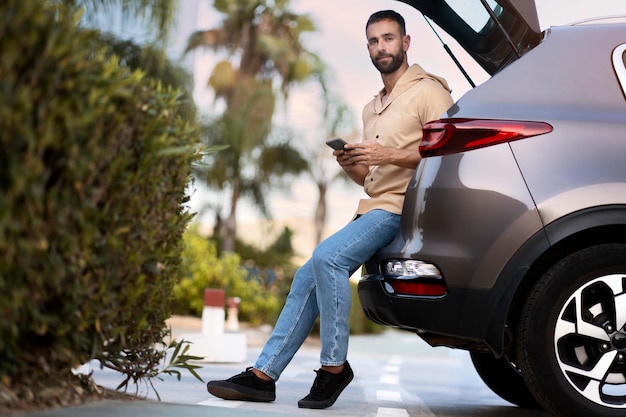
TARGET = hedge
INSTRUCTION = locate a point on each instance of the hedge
(94, 163)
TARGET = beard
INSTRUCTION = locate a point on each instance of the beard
(389, 66)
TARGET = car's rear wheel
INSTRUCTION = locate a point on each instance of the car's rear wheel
(572, 338)
(504, 379)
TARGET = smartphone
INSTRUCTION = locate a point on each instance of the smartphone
(336, 143)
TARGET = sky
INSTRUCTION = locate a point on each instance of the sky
(340, 42)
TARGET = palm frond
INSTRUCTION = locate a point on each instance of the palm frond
(157, 14)
(213, 39)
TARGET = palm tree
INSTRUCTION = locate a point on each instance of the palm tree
(262, 41)
(324, 171)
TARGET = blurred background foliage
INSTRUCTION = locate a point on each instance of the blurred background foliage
(202, 268)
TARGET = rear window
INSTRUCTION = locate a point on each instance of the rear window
(475, 15)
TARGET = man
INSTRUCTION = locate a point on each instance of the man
(383, 164)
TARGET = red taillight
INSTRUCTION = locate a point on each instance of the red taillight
(446, 136)
(431, 289)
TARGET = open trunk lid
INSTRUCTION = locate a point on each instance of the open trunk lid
(494, 32)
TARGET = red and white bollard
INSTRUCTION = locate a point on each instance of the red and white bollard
(213, 312)
(212, 344)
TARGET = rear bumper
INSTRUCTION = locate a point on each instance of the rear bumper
(458, 319)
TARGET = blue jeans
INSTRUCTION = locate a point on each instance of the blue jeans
(321, 287)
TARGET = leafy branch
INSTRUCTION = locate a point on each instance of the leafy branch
(144, 365)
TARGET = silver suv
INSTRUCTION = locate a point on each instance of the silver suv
(513, 237)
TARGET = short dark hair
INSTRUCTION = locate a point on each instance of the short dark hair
(388, 15)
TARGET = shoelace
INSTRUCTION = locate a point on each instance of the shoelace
(321, 381)
(245, 373)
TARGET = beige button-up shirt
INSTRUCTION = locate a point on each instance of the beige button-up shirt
(417, 98)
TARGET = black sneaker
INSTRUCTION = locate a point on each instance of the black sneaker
(326, 388)
(244, 387)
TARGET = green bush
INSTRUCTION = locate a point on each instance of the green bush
(94, 161)
(203, 268)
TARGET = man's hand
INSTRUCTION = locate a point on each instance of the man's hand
(356, 158)
(366, 153)
(371, 153)
(357, 172)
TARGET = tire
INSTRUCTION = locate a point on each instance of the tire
(571, 342)
(503, 379)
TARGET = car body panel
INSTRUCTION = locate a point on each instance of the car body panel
(457, 239)
(488, 182)
(569, 92)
